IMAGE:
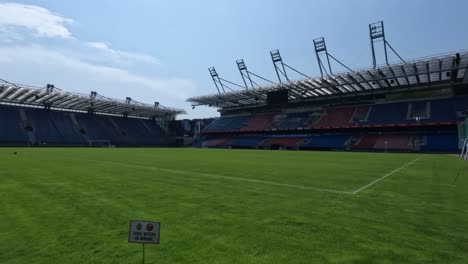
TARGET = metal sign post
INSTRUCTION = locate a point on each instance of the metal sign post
(144, 232)
(143, 245)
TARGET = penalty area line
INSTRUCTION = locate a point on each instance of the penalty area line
(385, 176)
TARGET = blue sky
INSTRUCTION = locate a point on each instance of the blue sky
(160, 50)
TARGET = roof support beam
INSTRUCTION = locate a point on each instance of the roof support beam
(374, 80)
(5, 92)
(394, 76)
(405, 74)
(440, 69)
(354, 81)
(465, 76)
(428, 73)
(68, 101)
(416, 73)
(26, 95)
(306, 90)
(36, 96)
(382, 75)
(365, 80)
(17, 93)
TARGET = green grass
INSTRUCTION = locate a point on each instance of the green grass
(232, 206)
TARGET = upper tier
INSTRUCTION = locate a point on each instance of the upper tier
(417, 113)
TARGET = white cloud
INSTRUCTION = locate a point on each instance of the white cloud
(119, 56)
(36, 19)
(79, 66)
(37, 65)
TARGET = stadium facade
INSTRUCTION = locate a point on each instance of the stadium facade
(409, 106)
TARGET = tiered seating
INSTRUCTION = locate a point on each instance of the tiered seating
(97, 128)
(400, 142)
(285, 142)
(360, 114)
(247, 141)
(50, 127)
(381, 142)
(443, 111)
(336, 117)
(228, 123)
(291, 121)
(366, 142)
(419, 110)
(313, 118)
(223, 141)
(461, 106)
(67, 129)
(137, 131)
(326, 141)
(258, 122)
(388, 114)
(11, 127)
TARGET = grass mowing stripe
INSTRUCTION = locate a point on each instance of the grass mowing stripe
(406, 218)
(385, 176)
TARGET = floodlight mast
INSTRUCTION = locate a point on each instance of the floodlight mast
(216, 79)
(321, 49)
(279, 65)
(376, 34)
(220, 82)
(246, 74)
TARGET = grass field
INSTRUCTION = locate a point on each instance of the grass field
(232, 206)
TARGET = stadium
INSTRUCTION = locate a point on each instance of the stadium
(359, 166)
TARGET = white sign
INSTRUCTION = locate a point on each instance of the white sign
(143, 232)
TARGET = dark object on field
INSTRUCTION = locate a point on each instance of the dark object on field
(15, 152)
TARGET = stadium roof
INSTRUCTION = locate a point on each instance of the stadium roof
(55, 98)
(419, 73)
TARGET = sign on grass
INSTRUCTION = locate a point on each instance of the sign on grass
(143, 232)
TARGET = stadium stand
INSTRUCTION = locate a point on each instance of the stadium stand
(258, 122)
(351, 110)
(231, 123)
(415, 105)
(247, 141)
(12, 129)
(335, 117)
(283, 142)
(57, 128)
(217, 142)
(408, 115)
(319, 141)
(31, 116)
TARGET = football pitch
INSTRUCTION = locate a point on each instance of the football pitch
(73, 205)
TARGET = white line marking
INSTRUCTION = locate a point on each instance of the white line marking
(301, 187)
(385, 176)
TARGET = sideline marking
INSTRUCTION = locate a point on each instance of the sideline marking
(385, 176)
(301, 187)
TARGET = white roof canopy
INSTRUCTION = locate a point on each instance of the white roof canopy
(54, 98)
(418, 73)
